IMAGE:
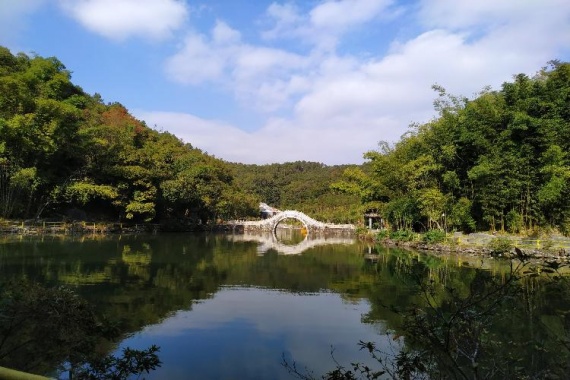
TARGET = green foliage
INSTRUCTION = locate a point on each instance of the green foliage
(461, 217)
(497, 161)
(500, 245)
(362, 232)
(146, 209)
(83, 192)
(61, 148)
(402, 235)
(402, 212)
(33, 317)
(434, 236)
(130, 363)
(432, 205)
(383, 235)
(355, 182)
(321, 191)
(515, 222)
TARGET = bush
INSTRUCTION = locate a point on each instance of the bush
(500, 245)
(434, 236)
(402, 235)
(361, 231)
(382, 235)
(515, 222)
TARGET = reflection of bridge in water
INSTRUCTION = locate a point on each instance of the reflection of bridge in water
(269, 241)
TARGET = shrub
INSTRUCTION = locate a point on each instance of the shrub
(382, 235)
(500, 245)
(515, 222)
(402, 235)
(434, 236)
(362, 231)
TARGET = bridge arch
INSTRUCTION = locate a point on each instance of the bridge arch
(290, 214)
(309, 223)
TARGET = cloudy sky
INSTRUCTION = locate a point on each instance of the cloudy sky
(259, 81)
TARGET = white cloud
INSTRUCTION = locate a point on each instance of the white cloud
(249, 71)
(197, 62)
(462, 14)
(122, 19)
(335, 15)
(13, 18)
(340, 106)
(332, 106)
(284, 17)
(336, 140)
(223, 34)
(524, 33)
(326, 23)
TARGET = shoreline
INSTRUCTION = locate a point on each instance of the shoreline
(554, 247)
(544, 251)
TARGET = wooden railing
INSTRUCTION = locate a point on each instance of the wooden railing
(41, 227)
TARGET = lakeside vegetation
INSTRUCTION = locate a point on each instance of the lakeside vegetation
(498, 161)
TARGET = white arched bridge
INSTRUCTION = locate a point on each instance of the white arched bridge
(310, 224)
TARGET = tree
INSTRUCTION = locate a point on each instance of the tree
(496, 160)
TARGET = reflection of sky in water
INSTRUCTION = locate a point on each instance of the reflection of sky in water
(242, 333)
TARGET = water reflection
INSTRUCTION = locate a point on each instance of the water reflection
(289, 241)
(217, 307)
(290, 235)
(249, 342)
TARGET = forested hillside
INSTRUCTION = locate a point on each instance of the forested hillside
(498, 161)
(301, 185)
(63, 151)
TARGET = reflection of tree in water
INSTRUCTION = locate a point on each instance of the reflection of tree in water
(141, 280)
(290, 235)
(460, 320)
(138, 262)
(44, 328)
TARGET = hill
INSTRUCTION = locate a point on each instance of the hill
(65, 153)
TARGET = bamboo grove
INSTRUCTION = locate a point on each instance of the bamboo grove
(499, 161)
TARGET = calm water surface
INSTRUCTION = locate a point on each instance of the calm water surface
(231, 307)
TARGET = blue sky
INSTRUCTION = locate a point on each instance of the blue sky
(274, 81)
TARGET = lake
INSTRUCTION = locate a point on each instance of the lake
(235, 306)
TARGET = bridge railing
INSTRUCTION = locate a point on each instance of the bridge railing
(271, 223)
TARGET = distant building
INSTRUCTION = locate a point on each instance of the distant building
(267, 211)
(373, 220)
